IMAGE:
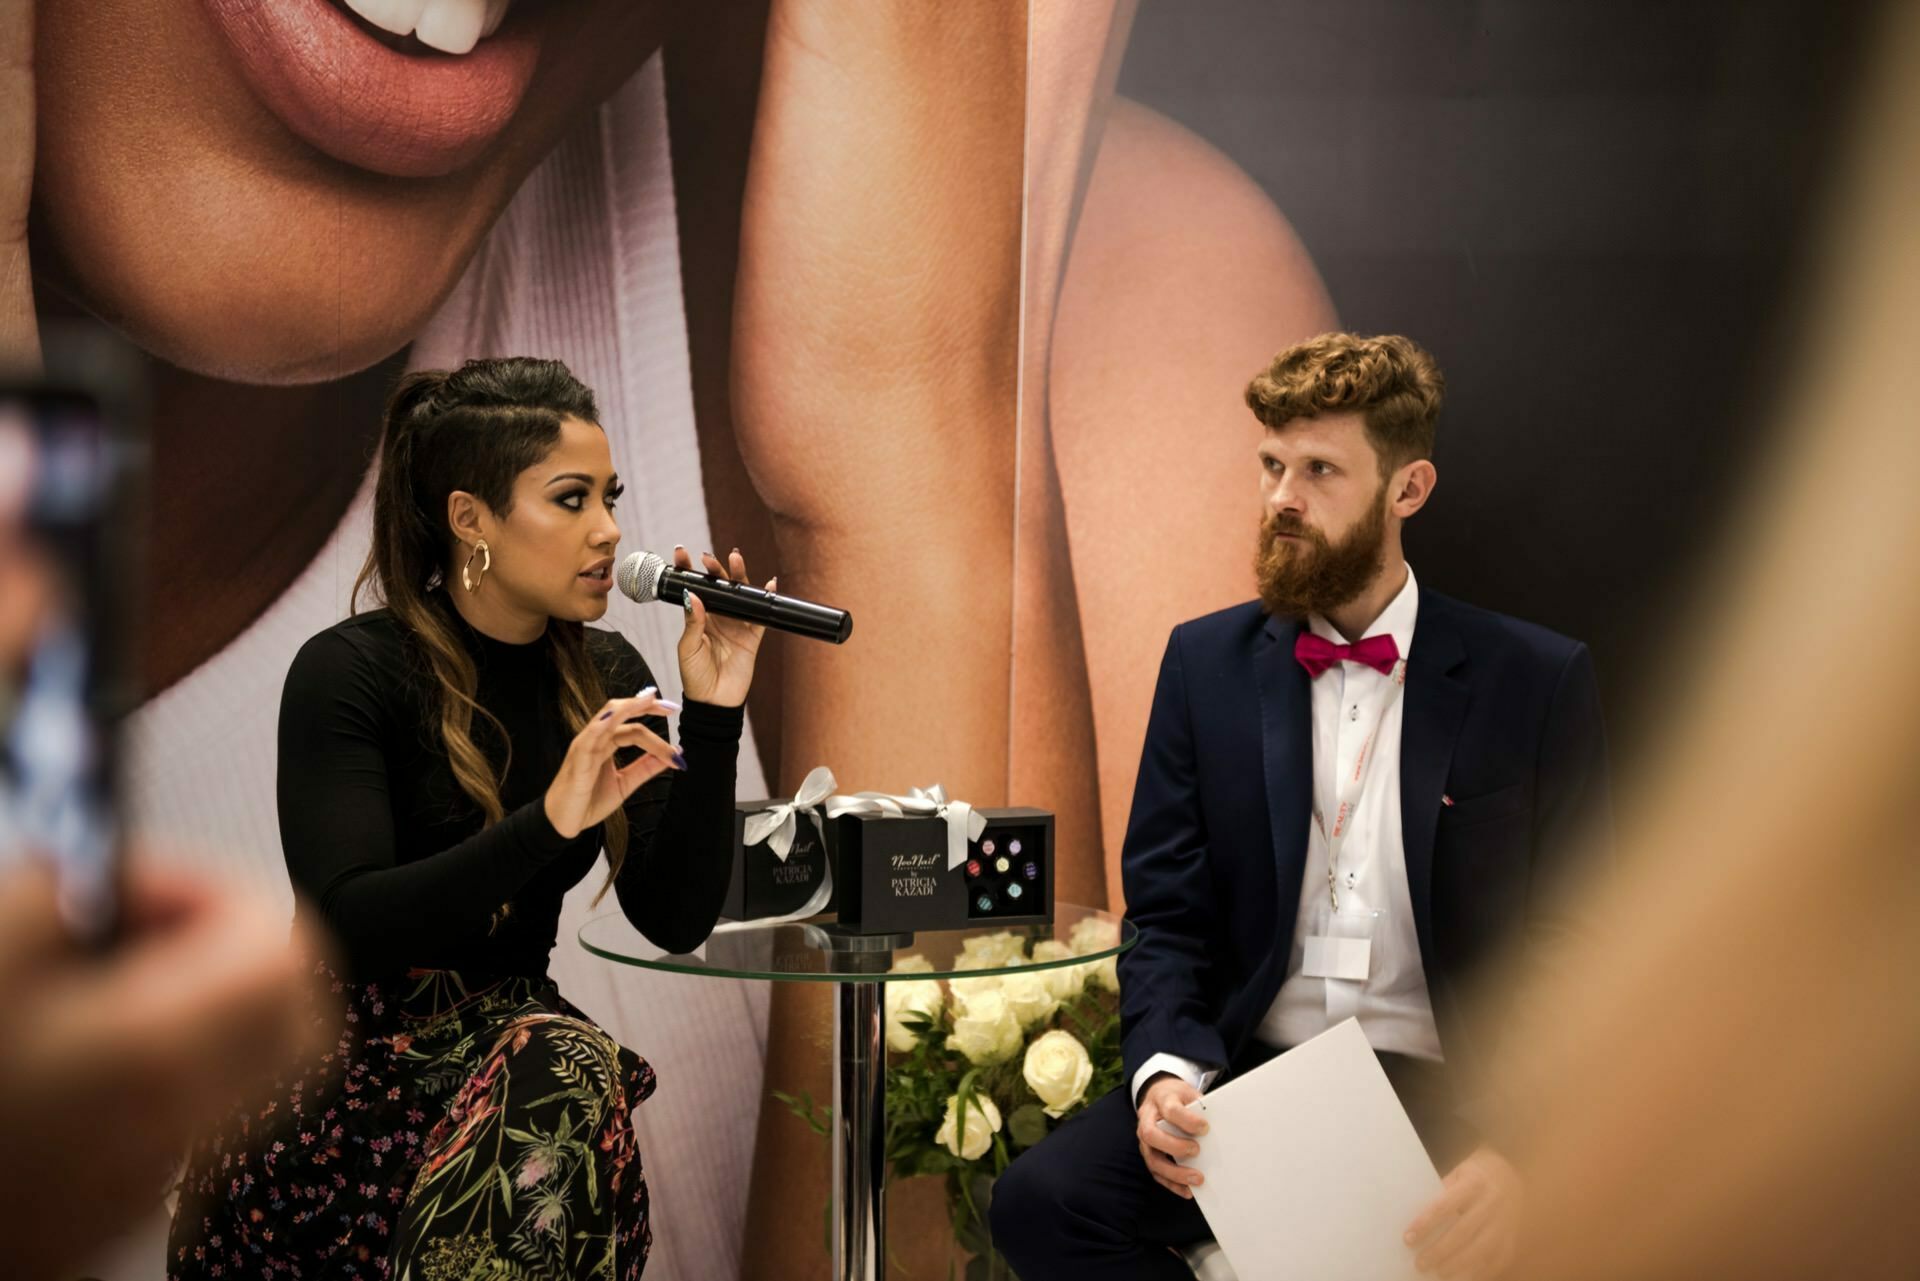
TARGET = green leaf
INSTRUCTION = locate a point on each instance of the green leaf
(585, 1096)
(805, 1108)
(1027, 1125)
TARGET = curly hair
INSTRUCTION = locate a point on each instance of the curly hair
(1392, 382)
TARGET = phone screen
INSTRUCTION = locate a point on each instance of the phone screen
(64, 472)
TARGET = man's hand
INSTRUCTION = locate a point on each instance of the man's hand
(1473, 1226)
(1168, 1097)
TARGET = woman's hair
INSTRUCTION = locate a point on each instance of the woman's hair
(475, 428)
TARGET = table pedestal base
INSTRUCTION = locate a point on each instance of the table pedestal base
(860, 1131)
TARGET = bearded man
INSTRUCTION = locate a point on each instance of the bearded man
(1356, 799)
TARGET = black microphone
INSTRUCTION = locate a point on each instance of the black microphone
(644, 577)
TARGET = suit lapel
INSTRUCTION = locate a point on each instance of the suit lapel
(1436, 705)
(1286, 743)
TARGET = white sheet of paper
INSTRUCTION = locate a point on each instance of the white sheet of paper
(1312, 1167)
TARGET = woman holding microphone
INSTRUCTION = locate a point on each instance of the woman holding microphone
(449, 766)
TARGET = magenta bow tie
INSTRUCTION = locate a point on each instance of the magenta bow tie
(1317, 654)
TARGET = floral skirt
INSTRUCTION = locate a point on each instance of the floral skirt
(450, 1134)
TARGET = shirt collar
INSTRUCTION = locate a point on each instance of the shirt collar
(1396, 620)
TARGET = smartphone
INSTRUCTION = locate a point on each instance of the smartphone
(70, 469)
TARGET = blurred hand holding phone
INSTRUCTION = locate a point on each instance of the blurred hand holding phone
(142, 1001)
(72, 461)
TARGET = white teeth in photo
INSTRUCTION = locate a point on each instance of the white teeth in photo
(451, 26)
(455, 26)
(398, 16)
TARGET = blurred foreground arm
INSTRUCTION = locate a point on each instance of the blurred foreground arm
(113, 1059)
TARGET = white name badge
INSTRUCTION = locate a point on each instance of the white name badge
(1337, 958)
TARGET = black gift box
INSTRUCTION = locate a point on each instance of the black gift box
(763, 884)
(891, 874)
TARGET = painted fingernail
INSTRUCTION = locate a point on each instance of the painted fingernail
(688, 602)
(679, 760)
(648, 690)
(666, 703)
(606, 714)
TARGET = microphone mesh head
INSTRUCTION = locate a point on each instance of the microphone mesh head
(639, 576)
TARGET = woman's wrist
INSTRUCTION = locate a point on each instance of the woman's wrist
(560, 829)
(701, 721)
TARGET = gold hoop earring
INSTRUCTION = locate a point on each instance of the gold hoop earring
(467, 579)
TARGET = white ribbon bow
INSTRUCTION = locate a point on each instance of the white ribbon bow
(778, 824)
(963, 824)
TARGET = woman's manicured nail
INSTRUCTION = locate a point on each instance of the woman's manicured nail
(687, 601)
(606, 715)
(648, 690)
(666, 704)
(679, 760)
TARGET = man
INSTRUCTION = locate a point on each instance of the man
(1353, 791)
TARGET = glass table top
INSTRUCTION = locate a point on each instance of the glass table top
(819, 951)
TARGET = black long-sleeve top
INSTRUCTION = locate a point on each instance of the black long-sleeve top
(396, 861)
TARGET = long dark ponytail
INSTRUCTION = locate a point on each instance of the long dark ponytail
(474, 428)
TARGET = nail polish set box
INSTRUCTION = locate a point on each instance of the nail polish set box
(892, 875)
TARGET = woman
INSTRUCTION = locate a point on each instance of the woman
(450, 765)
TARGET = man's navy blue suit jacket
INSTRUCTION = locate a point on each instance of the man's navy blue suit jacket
(1500, 716)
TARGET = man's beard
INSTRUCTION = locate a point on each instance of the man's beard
(1314, 576)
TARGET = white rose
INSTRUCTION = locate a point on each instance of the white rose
(964, 989)
(1057, 1068)
(1067, 981)
(991, 951)
(985, 1028)
(916, 996)
(983, 1122)
(1092, 933)
(1031, 997)
(1095, 934)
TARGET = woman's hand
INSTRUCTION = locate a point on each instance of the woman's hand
(717, 654)
(589, 785)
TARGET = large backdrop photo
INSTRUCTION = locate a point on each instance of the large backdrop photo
(945, 314)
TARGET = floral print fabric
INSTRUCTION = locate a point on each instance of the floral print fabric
(449, 1135)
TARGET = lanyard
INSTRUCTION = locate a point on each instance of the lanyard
(1348, 785)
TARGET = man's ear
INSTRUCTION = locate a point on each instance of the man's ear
(1411, 486)
(468, 517)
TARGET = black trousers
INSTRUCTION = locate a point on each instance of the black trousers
(1081, 1206)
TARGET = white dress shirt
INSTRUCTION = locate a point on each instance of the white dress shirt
(1392, 1003)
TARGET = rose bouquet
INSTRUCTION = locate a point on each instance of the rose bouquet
(983, 1067)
